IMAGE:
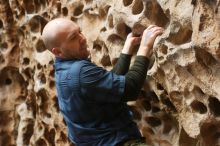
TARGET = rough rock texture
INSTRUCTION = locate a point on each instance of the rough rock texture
(179, 104)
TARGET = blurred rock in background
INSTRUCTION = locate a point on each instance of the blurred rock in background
(179, 104)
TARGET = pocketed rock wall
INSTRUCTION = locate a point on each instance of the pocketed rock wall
(179, 104)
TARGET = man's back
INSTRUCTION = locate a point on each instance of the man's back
(90, 100)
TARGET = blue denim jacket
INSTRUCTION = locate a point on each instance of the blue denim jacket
(90, 100)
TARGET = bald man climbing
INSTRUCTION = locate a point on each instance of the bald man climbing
(92, 99)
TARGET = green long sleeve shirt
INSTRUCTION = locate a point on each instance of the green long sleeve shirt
(134, 77)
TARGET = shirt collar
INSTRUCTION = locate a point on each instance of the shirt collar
(58, 59)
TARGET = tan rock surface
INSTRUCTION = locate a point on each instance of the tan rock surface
(181, 107)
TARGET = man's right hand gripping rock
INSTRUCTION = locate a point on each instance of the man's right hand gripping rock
(148, 38)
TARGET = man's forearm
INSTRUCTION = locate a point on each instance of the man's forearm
(122, 65)
(135, 78)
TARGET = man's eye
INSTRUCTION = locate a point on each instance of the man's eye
(73, 37)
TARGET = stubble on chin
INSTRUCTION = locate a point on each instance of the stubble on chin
(87, 54)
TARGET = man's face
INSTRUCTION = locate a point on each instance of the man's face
(73, 42)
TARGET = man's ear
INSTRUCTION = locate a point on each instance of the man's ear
(56, 52)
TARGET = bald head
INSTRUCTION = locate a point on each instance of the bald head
(53, 32)
(64, 39)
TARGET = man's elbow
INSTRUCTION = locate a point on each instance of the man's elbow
(132, 96)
